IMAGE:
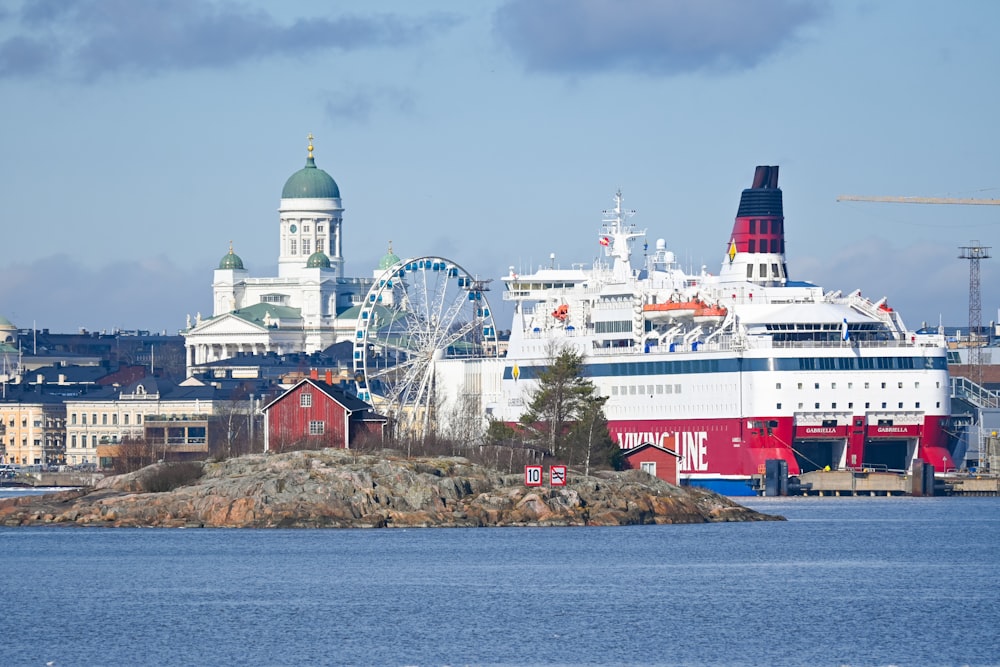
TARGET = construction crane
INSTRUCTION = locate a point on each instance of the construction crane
(972, 252)
(921, 200)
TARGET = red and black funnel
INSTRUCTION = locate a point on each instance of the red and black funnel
(760, 222)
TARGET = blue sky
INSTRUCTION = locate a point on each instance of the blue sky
(140, 138)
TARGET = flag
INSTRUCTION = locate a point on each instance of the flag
(605, 240)
(844, 333)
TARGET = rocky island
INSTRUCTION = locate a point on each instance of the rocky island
(346, 489)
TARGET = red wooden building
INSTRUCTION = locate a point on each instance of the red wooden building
(657, 461)
(313, 415)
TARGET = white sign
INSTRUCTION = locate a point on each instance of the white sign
(557, 475)
(532, 475)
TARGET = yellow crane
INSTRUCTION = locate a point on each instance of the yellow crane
(920, 200)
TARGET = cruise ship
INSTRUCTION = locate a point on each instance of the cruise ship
(731, 369)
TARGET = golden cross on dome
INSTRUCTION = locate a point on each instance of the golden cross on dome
(230, 247)
(310, 138)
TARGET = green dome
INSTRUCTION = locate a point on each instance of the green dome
(231, 261)
(310, 182)
(389, 259)
(318, 260)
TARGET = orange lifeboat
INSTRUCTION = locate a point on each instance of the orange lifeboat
(561, 313)
(671, 310)
(710, 314)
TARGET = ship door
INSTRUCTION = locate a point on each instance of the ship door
(818, 454)
(888, 454)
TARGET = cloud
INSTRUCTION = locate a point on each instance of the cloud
(152, 293)
(359, 104)
(95, 38)
(652, 37)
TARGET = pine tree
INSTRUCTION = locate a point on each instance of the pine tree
(566, 412)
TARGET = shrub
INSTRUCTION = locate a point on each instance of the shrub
(169, 476)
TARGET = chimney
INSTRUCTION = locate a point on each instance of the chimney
(329, 377)
(313, 374)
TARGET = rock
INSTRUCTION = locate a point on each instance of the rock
(343, 489)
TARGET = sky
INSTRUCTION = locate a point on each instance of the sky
(140, 138)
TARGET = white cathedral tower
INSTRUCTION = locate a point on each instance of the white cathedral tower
(309, 306)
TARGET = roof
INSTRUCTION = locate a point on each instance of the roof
(259, 312)
(231, 261)
(318, 260)
(310, 182)
(628, 453)
(350, 403)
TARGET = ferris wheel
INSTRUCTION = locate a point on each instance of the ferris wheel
(418, 312)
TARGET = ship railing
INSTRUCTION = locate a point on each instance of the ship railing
(974, 393)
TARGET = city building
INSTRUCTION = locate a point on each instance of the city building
(308, 306)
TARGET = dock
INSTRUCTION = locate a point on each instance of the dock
(920, 481)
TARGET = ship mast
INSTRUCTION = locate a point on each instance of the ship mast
(616, 236)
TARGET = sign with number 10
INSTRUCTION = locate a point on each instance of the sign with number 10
(532, 475)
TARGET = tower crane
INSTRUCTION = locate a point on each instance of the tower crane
(972, 252)
(920, 200)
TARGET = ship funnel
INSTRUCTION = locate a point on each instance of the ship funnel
(756, 249)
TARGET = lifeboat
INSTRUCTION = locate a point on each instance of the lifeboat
(710, 314)
(671, 310)
(561, 313)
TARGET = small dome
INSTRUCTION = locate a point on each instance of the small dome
(231, 260)
(390, 258)
(318, 260)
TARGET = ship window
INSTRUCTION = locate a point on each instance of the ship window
(776, 226)
(774, 249)
(800, 406)
(631, 390)
(763, 271)
(916, 385)
(817, 385)
(938, 404)
(677, 389)
(670, 388)
(774, 269)
(883, 385)
(850, 385)
(833, 406)
(900, 405)
(900, 385)
(833, 385)
(867, 405)
(753, 226)
(749, 271)
(752, 245)
(883, 405)
(917, 405)
(937, 385)
(777, 385)
(866, 385)
(817, 406)
(850, 405)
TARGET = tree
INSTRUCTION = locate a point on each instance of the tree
(589, 439)
(565, 407)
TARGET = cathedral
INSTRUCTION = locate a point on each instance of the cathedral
(309, 306)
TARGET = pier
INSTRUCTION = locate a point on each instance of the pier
(921, 480)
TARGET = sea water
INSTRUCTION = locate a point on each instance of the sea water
(845, 581)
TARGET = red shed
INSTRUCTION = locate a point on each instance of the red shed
(657, 461)
(313, 415)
